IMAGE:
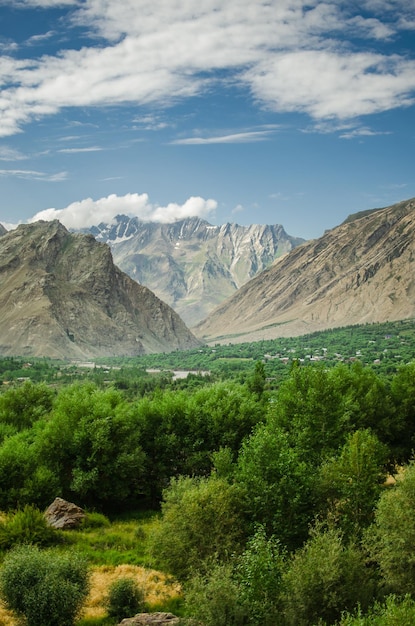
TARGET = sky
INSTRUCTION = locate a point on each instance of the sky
(292, 112)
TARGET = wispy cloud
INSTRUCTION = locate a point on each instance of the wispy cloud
(10, 154)
(362, 132)
(74, 150)
(248, 137)
(34, 175)
(292, 56)
(89, 212)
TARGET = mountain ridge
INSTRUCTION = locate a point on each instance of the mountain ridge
(191, 264)
(62, 296)
(357, 272)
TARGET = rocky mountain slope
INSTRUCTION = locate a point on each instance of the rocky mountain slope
(62, 296)
(190, 264)
(361, 271)
(3, 231)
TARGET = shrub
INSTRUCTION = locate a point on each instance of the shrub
(213, 599)
(324, 579)
(259, 574)
(125, 599)
(27, 525)
(395, 612)
(200, 521)
(44, 587)
(391, 538)
(95, 520)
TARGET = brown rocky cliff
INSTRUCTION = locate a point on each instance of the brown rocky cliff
(362, 271)
(61, 295)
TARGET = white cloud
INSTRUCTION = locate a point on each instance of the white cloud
(247, 137)
(293, 55)
(361, 132)
(10, 154)
(42, 4)
(34, 175)
(76, 150)
(89, 212)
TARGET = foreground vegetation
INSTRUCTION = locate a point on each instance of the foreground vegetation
(281, 499)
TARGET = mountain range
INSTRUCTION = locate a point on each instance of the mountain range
(359, 272)
(190, 264)
(62, 296)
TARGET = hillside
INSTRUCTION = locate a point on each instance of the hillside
(358, 272)
(190, 264)
(62, 296)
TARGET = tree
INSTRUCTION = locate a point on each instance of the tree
(46, 588)
(350, 483)
(212, 598)
(312, 412)
(22, 406)
(324, 579)
(24, 475)
(256, 382)
(395, 611)
(92, 443)
(259, 573)
(391, 538)
(200, 524)
(277, 485)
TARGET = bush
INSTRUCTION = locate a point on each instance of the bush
(259, 575)
(200, 522)
(395, 612)
(45, 588)
(27, 525)
(95, 520)
(125, 599)
(324, 579)
(213, 599)
(391, 538)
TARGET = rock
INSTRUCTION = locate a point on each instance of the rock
(151, 619)
(62, 514)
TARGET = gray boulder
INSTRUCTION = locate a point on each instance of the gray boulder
(151, 619)
(62, 514)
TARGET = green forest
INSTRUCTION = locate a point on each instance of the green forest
(275, 492)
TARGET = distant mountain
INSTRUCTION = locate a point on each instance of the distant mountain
(190, 264)
(3, 231)
(359, 272)
(62, 296)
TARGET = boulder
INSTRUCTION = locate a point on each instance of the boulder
(62, 514)
(151, 619)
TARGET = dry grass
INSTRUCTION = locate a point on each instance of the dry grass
(158, 588)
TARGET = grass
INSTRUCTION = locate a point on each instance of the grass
(116, 550)
(122, 542)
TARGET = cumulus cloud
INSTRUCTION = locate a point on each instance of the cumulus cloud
(292, 55)
(89, 212)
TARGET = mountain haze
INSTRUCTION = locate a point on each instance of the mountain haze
(190, 264)
(62, 296)
(359, 272)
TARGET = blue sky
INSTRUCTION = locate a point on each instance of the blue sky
(291, 112)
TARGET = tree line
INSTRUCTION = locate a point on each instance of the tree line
(275, 506)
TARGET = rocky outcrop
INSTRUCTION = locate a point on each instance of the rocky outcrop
(359, 272)
(64, 515)
(190, 264)
(151, 619)
(62, 296)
